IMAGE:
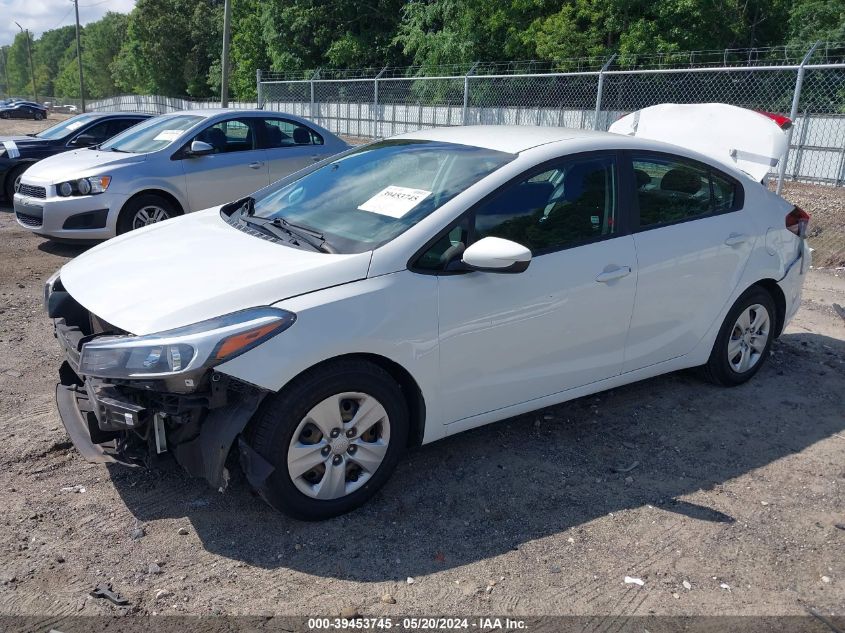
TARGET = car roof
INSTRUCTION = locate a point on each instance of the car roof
(104, 115)
(503, 138)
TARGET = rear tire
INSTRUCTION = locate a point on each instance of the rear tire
(334, 436)
(744, 339)
(143, 210)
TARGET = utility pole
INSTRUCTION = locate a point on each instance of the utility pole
(31, 69)
(224, 82)
(79, 57)
(6, 89)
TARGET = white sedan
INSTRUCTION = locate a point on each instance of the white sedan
(414, 288)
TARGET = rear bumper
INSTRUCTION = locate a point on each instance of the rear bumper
(792, 282)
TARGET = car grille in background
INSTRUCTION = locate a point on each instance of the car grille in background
(31, 191)
(28, 220)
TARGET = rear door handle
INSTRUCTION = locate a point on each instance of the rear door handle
(316, 157)
(735, 239)
(611, 273)
(256, 165)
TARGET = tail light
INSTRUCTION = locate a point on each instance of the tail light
(784, 122)
(797, 221)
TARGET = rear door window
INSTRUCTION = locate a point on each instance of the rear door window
(285, 133)
(671, 189)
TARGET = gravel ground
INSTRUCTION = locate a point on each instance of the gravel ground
(728, 501)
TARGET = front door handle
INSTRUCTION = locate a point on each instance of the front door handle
(735, 239)
(611, 273)
(316, 157)
(256, 165)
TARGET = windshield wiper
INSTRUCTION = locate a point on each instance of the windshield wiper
(305, 233)
(114, 149)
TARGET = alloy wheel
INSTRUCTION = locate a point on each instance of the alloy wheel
(749, 337)
(147, 215)
(339, 445)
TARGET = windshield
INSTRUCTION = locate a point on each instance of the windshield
(368, 197)
(152, 135)
(66, 127)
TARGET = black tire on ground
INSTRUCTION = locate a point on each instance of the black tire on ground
(4, 115)
(38, 116)
(11, 177)
(126, 221)
(718, 368)
(271, 431)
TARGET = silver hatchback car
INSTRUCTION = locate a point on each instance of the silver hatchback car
(166, 166)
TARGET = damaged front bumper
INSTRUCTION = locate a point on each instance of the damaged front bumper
(131, 421)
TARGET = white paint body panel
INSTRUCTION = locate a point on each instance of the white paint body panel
(733, 136)
(480, 346)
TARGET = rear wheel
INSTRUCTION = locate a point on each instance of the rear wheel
(334, 437)
(144, 210)
(744, 340)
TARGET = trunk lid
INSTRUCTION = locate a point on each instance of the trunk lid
(750, 141)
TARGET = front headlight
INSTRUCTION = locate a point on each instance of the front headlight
(182, 350)
(84, 186)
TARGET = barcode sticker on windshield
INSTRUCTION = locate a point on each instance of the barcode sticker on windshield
(11, 149)
(394, 201)
(168, 135)
(75, 125)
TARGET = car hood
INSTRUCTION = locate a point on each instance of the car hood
(193, 268)
(77, 163)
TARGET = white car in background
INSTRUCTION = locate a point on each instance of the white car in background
(415, 288)
(167, 166)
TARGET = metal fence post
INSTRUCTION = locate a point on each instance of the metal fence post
(465, 110)
(259, 89)
(311, 102)
(793, 113)
(376, 117)
(600, 90)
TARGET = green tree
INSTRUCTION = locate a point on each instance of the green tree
(814, 20)
(49, 53)
(169, 47)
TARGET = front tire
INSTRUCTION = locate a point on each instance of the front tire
(144, 210)
(744, 339)
(334, 436)
(12, 180)
(38, 116)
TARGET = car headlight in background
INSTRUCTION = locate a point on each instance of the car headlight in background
(84, 186)
(182, 350)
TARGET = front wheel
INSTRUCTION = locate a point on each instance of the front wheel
(38, 116)
(144, 210)
(744, 340)
(334, 436)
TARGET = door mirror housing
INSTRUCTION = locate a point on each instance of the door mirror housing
(200, 148)
(85, 140)
(496, 255)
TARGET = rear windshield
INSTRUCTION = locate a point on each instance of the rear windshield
(152, 135)
(368, 197)
(68, 126)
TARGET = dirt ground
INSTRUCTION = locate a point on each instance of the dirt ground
(729, 501)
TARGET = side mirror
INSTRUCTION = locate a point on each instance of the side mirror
(200, 148)
(85, 140)
(495, 255)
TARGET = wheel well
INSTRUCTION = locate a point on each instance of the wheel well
(410, 390)
(774, 290)
(9, 178)
(157, 192)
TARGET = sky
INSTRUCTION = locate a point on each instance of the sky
(42, 15)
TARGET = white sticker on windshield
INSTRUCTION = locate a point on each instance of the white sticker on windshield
(168, 135)
(395, 201)
(11, 149)
(74, 125)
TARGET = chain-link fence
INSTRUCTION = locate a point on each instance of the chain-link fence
(396, 100)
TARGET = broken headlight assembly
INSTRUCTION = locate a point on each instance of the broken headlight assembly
(182, 350)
